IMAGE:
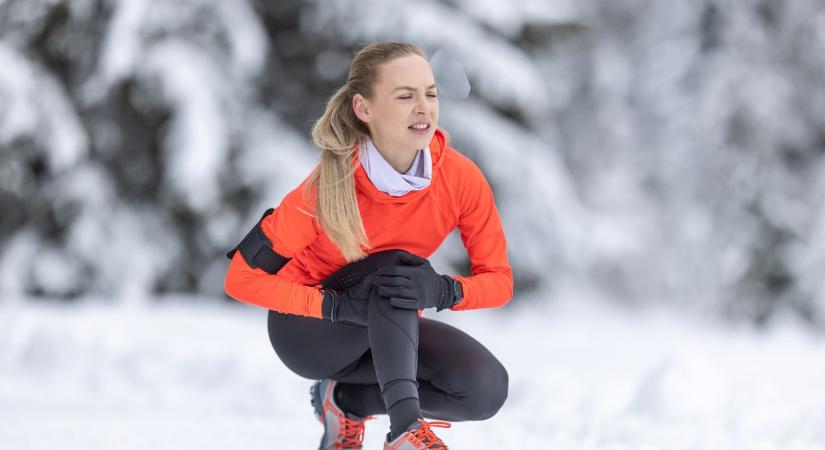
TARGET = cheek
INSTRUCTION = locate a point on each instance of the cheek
(391, 125)
(396, 118)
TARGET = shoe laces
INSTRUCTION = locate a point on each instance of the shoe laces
(351, 432)
(423, 435)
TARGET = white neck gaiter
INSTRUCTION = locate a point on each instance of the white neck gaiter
(387, 179)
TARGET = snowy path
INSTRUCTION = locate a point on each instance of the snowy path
(201, 376)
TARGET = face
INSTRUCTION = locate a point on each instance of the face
(404, 95)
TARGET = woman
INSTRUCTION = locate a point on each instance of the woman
(340, 263)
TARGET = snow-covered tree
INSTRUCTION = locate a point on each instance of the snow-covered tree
(657, 150)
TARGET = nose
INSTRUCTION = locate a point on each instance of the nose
(422, 105)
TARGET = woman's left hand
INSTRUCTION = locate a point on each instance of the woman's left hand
(415, 287)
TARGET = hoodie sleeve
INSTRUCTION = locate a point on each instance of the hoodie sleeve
(491, 283)
(290, 228)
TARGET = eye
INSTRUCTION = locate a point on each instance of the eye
(410, 96)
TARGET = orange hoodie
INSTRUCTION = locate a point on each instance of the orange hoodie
(418, 222)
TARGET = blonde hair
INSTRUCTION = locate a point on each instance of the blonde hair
(337, 133)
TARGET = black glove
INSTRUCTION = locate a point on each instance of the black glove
(347, 291)
(417, 287)
(350, 305)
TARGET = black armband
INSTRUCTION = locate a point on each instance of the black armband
(256, 249)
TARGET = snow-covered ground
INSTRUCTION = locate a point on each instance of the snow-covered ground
(194, 374)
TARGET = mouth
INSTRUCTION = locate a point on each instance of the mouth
(420, 128)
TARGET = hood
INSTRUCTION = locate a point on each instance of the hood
(438, 147)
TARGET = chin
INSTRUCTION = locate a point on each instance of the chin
(423, 141)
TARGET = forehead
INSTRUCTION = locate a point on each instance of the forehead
(409, 70)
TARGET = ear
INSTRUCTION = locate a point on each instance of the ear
(361, 108)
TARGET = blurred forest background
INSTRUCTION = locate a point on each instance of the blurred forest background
(654, 151)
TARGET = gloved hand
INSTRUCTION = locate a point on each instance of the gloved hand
(417, 287)
(349, 306)
(345, 298)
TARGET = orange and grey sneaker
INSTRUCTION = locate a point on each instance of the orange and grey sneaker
(418, 436)
(341, 430)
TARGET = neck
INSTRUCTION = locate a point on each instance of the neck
(401, 161)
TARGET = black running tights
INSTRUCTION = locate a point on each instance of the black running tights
(451, 375)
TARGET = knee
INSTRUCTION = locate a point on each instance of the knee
(487, 392)
(385, 308)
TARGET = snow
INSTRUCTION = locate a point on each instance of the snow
(509, 18)
(658, 149)
(635, 147)
(198, 373)
(503, 72)
(125, 43)
(449, 75)
(197, 134)
(31, 99)
(202, 85)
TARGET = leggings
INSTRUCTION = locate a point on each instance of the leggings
(397, 356)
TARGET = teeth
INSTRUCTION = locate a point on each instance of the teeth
(420, 127)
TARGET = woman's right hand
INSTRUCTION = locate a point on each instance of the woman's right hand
(350, 305)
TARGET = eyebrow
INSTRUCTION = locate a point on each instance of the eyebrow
(410, 88)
